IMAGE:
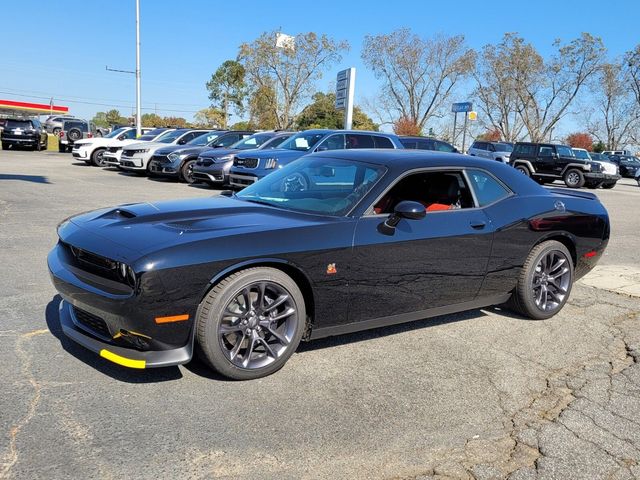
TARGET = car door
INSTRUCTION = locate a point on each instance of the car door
(545, 161)
(422, 264)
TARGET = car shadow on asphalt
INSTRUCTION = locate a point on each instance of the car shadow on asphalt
(122, 374)
(81, 164)
(25, 178)
(401, 328)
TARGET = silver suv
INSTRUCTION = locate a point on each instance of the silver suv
(73, 130)
(500, 151)
(53, 124)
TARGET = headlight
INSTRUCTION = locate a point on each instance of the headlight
(271, 163)
(126, 273)
(224, 158)
(174, 156)
(141, 150)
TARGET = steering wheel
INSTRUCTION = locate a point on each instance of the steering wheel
(296, 182)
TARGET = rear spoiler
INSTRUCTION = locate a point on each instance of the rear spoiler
(567, 192)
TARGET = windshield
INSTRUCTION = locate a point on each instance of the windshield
(303, 142)
(203, 138)
(503, 147)
(315, 185)
(170, 136)
(116, 132)
(583, 154)
(274, 142)
(254, 141)
(629, 159)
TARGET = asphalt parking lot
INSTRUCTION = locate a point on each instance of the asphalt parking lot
(483, 394)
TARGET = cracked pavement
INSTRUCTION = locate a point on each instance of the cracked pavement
(482, 394)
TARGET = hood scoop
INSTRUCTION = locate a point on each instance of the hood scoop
(118, 213)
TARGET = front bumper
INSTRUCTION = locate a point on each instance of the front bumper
(164, 167)
(127, 357)
(242, 180)
(601, 177)
(215, 173)
(81, 153)
(135, 162)
(111, 158)
(116, 322)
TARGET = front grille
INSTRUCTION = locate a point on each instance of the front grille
(161, 159)
(92, 323)
(114, 149)
(245, 162)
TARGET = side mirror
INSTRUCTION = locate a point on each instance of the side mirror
(322, 148)
(122, 137)
(406, 209)
(182, 141)
(554, 155)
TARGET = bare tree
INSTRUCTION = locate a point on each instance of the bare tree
(289, 70)
(495, 75)
(616, 114)
(632, 71)
(546, 89)
(418, 74)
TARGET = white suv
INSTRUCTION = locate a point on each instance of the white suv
(610, 170)
(113, 152)
(135, 157)
(499, 151)
(91, 149)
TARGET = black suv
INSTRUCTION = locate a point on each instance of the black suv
(546, 162)
(25, 132)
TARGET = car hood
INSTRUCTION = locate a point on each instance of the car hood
(95, 141)
(279, 153)
(182, 149)
(128, 232)
(123, 143)
(220, 152)
(149, 145)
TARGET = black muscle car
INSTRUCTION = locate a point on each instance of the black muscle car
(335, 242)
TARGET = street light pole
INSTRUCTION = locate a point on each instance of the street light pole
(138, 106)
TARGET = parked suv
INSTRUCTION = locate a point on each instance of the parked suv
(24, 132)
(72, 131)
(426, 143)
(500, 151)
(248, 167)
(628, 164)
(53, 124)
(546, 162)
(608, 167)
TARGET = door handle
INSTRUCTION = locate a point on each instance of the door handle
(477, 224)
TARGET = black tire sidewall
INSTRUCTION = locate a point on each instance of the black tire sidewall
(209, 316)
(184, 169)
(581, 180)
(525, 292)
(524, 170)
(94, 157)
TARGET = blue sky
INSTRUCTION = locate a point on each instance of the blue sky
(61, 50)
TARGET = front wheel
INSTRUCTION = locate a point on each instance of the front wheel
(97, 157)
(186, 172)
(545, 281)
(574, 178)
(250, 323)
(524, 170)
(609, 186)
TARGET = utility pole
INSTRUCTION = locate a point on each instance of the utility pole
(138, 105)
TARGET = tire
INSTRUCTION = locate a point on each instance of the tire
(224, 307)
(56, 131)
(573, 178)
(186, 172)
(74, 134)
(524, 298)
(592, 186)
(609, 186)
(524, 170)
(96, 157)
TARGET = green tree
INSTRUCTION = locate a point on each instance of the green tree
(227, 87)
(599, 147)
(176, 122)
(209, 118)
(289, 69)
(152, 120)
(322, 113)
(100, 120)
(262, 108)
(113, 117)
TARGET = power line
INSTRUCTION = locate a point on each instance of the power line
(97, 104)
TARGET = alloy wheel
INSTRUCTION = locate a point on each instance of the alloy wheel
(257, 325)
(573, 178)
(551, 281)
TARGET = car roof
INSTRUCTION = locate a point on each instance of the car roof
(330, 130)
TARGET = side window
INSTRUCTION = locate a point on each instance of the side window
(546, 151)
(444, 147)
(227, 140)
(358, 141)
(334, 142)
(426, 145)
(442, 190)
(487, 188)
(130, 134)
(481, 145)
(409, 143)
(491, 148)
(382, 142)
(564, 151)
(525, 150)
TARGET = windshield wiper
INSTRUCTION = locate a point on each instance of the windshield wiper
(259, 202)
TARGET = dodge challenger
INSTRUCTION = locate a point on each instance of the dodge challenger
(335, 242)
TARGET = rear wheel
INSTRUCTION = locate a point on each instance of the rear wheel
(524, 170)
(574, 178)
(56, 131)
(545, 281)
(250, 323)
